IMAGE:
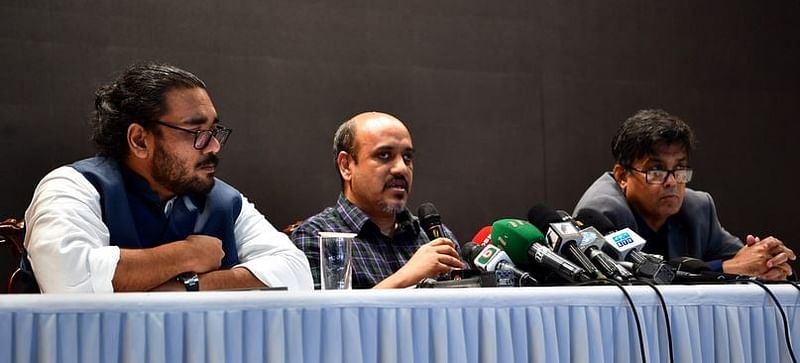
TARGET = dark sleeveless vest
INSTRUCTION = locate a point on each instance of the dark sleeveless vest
(134, 214)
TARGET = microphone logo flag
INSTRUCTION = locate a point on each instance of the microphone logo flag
(622, 239)
(625, 240)
(486, 255)
(588, 236)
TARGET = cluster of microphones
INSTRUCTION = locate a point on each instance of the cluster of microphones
(552, 247)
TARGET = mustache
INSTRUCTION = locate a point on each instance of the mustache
(396, 181)
(669, 193)
(211, 160)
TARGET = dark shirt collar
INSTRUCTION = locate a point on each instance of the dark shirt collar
(657, 241)
(357, 220)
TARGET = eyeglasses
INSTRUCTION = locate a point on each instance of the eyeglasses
(658, 176)
(203, 137)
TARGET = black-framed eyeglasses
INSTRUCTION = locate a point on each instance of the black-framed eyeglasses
(203, 137)
(657, 176)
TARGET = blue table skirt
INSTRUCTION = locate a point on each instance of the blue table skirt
(713, 323)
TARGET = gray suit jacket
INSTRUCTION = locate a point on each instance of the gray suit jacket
(694, 231)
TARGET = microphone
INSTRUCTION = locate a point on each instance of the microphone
(592, 243)
(430, 220)
(692, 270)
(474, 281)
(490, 258)
(626, 245)
(483, 237)
(523, 242)
(501, 278)
(689, 264)
(566, 217)
(563, 236)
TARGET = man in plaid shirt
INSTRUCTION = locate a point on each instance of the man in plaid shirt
(374, 157)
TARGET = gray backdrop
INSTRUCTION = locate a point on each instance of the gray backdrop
(510, 103)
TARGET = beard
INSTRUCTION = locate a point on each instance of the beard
(393, 207)
(398, 206)
(175, 176)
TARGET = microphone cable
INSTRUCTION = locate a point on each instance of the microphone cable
(780, 309)
(664, 309)
(793, 283)
(531, 281)
(630, 302)
(787, 281)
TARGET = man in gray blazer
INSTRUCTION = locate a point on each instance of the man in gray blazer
(646, 191)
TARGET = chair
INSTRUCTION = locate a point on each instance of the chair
(13, 232)
(292, 227)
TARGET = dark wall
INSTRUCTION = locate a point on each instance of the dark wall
(510, 103)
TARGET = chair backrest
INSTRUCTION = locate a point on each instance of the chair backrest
(12, 234)
(291, 227)
(22, 282)
(19, 280)
(13, 230)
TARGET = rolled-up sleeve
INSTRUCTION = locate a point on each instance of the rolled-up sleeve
(67, 242)
(268, 253)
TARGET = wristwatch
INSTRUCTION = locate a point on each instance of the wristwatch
(190, 281)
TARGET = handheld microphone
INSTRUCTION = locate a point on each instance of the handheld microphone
(430, 220)
(483, 237)
(563, 236)
(523, 242)
(491, 258)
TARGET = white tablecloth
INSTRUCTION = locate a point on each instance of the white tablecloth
(733, 323)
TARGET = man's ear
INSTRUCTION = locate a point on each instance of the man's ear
(345, 162)
(139, 142)
(620, 175)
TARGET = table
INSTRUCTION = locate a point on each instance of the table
(729, 323)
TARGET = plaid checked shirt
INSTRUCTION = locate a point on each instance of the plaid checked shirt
(375, 256)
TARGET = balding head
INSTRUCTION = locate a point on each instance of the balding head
(345, 137)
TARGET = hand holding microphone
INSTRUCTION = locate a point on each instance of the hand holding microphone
(431, 259)
(437, 256)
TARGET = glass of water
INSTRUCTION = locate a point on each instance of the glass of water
(336, 260)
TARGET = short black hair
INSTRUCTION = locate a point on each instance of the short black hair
(641, 133)
(344, 140)
(138, 95)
